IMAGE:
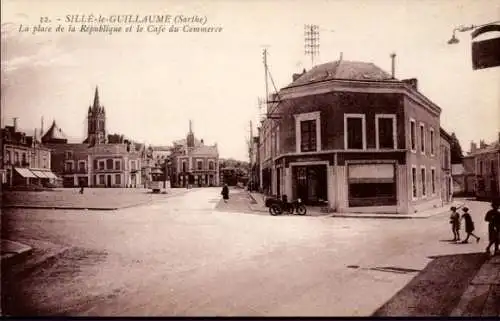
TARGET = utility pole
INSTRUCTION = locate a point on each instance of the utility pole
(311, 41)
(264, 54)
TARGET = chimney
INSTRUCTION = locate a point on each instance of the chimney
(413, 82)
(473, 147)
(297, 76)
(393, 66)
(15, 124)
(482, 144)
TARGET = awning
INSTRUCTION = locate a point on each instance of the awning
(50, 175)
(24, 172)
(39, 174)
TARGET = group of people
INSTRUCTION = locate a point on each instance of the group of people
(493, 219)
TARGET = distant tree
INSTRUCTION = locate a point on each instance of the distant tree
(115, 138)
(456, 150)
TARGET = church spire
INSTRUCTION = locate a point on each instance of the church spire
(96, 99)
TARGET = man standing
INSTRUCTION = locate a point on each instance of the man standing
(493, 219)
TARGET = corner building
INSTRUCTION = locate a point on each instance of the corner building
(349, 136)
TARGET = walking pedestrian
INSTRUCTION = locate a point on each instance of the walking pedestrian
(493, 219)
(469, 225)
(455, 224)
(225, 193)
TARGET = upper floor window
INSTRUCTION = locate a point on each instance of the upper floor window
(117, 164)
(7, 157)
(109, 163)
(355, 131)
(45, 162)
(16, 157)
(69, 166)
(413, 135)
(211, 165)
(385, 127)
(307, 136)
(480, 167)
(132, 165)
(24, 161)
(184, 166)
(431, 140)
(307, 132)
(101, 165)
(81, 166)
(69, 154)
(199, 164)
(422, 138)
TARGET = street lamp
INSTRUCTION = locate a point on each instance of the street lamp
(454, 39)
(461, 28)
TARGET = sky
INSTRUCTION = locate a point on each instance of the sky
(151, 84)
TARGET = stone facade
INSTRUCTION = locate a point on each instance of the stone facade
(25, 160)
(95, 163)
(194, 163)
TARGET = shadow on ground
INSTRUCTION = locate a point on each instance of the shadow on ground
(437, 290)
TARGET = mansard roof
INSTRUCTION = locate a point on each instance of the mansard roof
(342, 69)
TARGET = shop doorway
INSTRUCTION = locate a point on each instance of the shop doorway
(310, 184)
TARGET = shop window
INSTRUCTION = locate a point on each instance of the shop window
(354, 131)
(372, 185)
(101, 180)
(118, 179)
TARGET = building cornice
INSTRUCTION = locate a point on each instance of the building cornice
(359, 86)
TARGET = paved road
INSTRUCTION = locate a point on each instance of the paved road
(181, 257)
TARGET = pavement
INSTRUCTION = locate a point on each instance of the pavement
(100, 199)
(192, 244)
(258, 205)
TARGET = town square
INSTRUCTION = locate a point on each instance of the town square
(252, 171)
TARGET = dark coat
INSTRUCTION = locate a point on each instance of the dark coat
(493, 219)
(225, 192)
(469, 224)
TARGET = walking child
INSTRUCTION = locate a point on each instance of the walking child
(455, 224)
(469, 225)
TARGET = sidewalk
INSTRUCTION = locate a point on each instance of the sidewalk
(92, 199)
(259, 206)
(11, 249)
(482, 297)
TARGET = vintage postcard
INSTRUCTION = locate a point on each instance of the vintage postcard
(250, 158)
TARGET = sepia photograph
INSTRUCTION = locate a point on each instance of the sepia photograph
(266, 158)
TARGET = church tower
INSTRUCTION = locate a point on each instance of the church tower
(190, 136)
(96, 130)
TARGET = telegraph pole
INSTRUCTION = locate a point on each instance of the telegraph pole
(266, 72)
(311, 41)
